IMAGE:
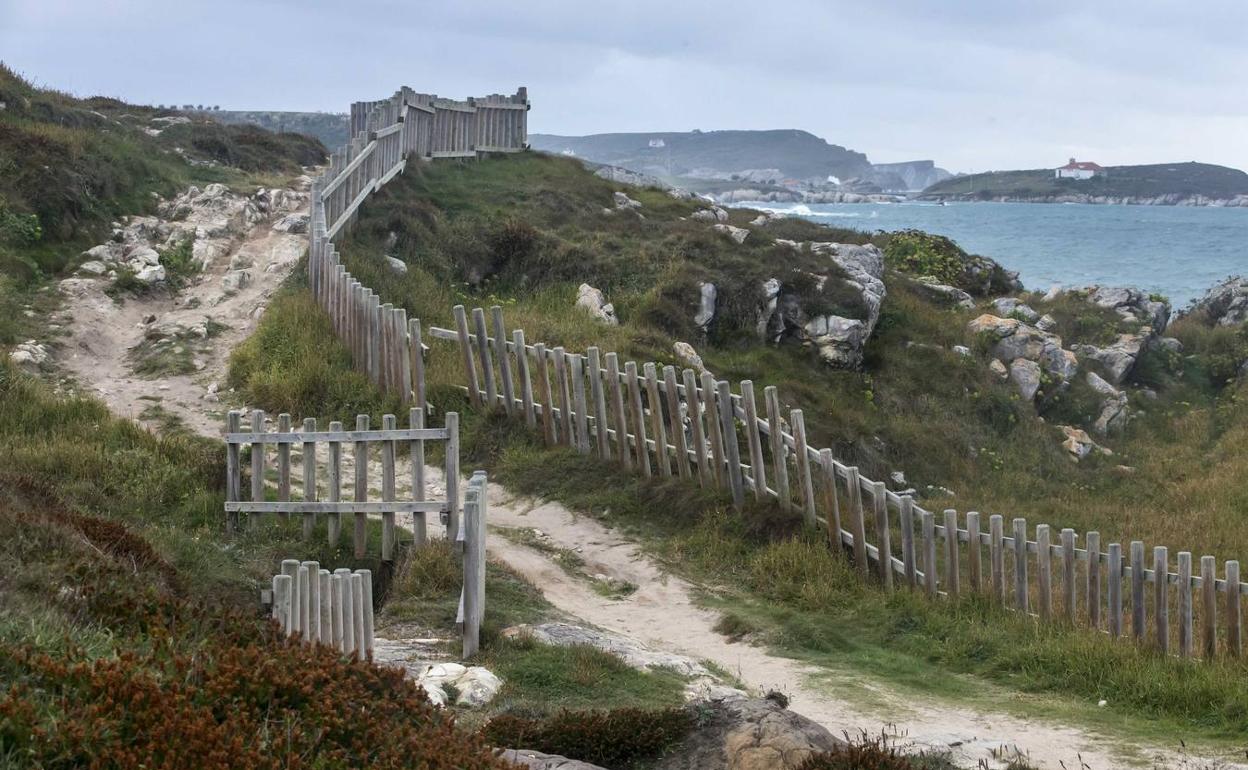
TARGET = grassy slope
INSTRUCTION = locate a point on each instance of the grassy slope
(1143, 181)
(933, 413)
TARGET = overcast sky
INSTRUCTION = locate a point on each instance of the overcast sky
(972, 84)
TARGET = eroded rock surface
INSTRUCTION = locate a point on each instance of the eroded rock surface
(749, 734)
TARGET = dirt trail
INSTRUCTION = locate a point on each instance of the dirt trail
(661, 613)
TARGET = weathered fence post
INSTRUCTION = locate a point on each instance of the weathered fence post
(1137, 590)
(705, 477)
(1209, 606)
(1185, 604)
(929, 552)
(755, 441)
(639, 417)
(1092, 542)
(952, 587)
(732, 448)
(601, 438)
(233, 471)
(1234, 635)
(420, 528)
(996, 555)
(579, 411)
(1161, 603)
(618, 416)
(803, 466)
(283, 463)
(828, 464)
(906, 517)
(389, 449)
(359, 532)
(1020, 564)
(309, 478)
(675, 421)
(657, 427)
(526, 379)
(545, 393)
(333, 520)
(974, 563)
(1068, 574)
(281, 601)
(451, 424)
(257, 457)
(504, 360)
(1114, 575)
(879, 496)
(857, 515)
(465, 347)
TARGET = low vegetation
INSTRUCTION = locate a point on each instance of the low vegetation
(1179, 179)
(622, 739)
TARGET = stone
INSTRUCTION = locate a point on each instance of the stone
(143, 255)
(630, 651)
(102, 253)
(241, 261)
(1026, 376)
(1118, 358)
(1131, 304)
(961, 350)
(477, 686)
(898, 478)
(292, 223)
(536, 760)
(748, 734)
(1226, 304)
(595, 303)
(397, 266)
(1054, 292)
(760, 220)
(738, 234)
(236, 280)
(29, 355)
(622, 201)
(707, 293)
(1014, 307)
(767, 309)
(150, 274)
(93, 267)
(999, 369)
(713, 214)
(839, 340)
(1114, 413)
(1079, 444)
(943, 292)
(1046, 323)
(1170, 344)
(1014, 339)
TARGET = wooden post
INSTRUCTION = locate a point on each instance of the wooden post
(906, 517)
(416, 340)
(366, 610)
(1161, 602)
(359, 535)
(290, 568)
(974, 563)
(1114, 575)
(714, 434)
(303, 609)
(732, 448)
(639, 418)
(617, 412)
(346, 609)
(388, 451)
(309, 478)
(929, 552)
(879, 496)
(996, 555)
(602, 439)
(1020, 564)
(281, 601)
(420, 528)
(452, 475)
(465, 347)
(755, 442)
(705, 476)
(487, 357)
(776, 435)
(508, 394)
(828, 464)
(803, 467)
(1092, 542)
(657, 429)
(312, 623)
(853, 484)
(1068, 574)
(1185, 604)
(357, 615)
(675, 421)
(1137, 590)
(233, 470)
(1234, 633)
(1044, 572)
(526, 380)
(1209, 606)
(544, 392)
(565, 398)
(579, 412)
(325, 592)
(333, 521)
(953, 584)
(474, 564)
(257, 458)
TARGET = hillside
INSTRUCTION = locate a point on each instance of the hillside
(330, 128)
(1165, 183)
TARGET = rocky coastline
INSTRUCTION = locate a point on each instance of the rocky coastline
(1170, 199)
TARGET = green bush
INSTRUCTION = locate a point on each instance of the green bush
(619, 739)
(920, 253)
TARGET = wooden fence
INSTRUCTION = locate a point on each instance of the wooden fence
(390, 440)
(470, 540)
(660, 422)
(323, 608)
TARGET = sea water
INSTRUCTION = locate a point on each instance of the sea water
(1177, 251)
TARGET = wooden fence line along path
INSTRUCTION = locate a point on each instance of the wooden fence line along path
(657, 421)
(323, 608)
(390, 439)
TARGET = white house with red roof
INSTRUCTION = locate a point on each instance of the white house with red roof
(1079, 170)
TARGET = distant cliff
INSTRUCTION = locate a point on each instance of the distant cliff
(908, 176)
(1163, 184)
(330, 127)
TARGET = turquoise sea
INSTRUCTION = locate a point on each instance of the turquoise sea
(1178, 251)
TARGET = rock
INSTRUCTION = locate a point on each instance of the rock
(840, 340)
(477, 686)
(397, 266)
(1131, 304)
(961, 350)
(748, 734)
(143, 255)
(150, 274)
(1054, 292)
(536, 760)
(738, 234)
(1079, 443)
(150, 318)
(595, 303)
(767, 310)
(93, 267)
(241, 261)
(236, 280)
(29, 355)
(760, 220)
(685, 353)
(1170, 344)
(707, 294)
(631, 652)
(1114, 413)
(946, 293)
(999, 368)
(1226, 304)
(898, 478)
(622, 201)
(1026, 376)
(1046, 323)
(713, 214)
(102, 253)
(292, 223)
(1014, 307)
(1013, 339)
(1118, 358)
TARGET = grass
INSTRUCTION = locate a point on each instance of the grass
(169, 352)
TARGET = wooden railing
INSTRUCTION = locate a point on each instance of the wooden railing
(323, 608)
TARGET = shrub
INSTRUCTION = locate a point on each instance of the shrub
(920, 253)
(622, 738)
(866, 753)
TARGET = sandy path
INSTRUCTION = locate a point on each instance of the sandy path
(661, 613)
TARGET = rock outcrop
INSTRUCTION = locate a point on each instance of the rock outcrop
(1030, 352)
(594, 302)
(1079, 444)
(944, 293)
(707, 294)
(1114, 413)
(713, 214)
(738, 234)
(685, 354)
(536, 760)
(1130, 303)
(1119, 357)
(749, 734)
(623, 202)
(1226, 304)
(631, 652)
(474, 686)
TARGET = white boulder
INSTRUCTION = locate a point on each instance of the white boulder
(594, 302)
(738, 234)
